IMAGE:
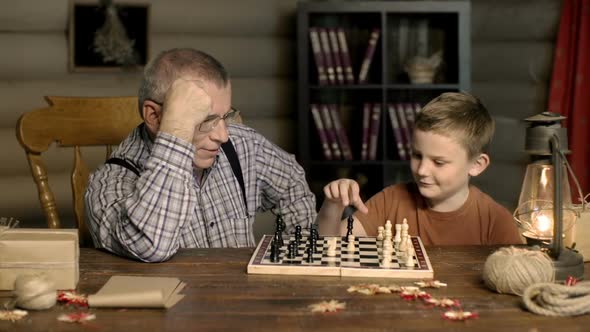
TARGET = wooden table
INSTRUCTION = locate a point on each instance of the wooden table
(220, 295)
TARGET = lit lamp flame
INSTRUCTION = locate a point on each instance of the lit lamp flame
(543, 225)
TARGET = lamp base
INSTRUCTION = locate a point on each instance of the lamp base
(535, 240)
(569, 263)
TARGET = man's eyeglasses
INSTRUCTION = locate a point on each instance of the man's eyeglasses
(211, 121)
(231, 117)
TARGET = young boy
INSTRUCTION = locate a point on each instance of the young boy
(450, 142)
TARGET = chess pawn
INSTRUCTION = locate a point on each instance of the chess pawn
(351, 243)
(380, 233)
(410, 257)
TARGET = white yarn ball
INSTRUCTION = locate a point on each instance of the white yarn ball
(511, 270)
(35, 291)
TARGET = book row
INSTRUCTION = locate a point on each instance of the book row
(334, 138)
(332, 56)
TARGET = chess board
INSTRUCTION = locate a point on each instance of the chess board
(364, 261)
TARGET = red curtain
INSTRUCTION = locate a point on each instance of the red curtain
(569, 92)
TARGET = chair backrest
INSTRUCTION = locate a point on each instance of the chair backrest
(74, 122)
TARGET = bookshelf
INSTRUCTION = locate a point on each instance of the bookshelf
(406, 30)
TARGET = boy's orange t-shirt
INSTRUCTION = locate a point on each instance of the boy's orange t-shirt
(480, 221)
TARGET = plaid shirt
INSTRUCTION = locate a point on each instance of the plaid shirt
(149, 217)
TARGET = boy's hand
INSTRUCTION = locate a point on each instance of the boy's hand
(345, 192)
(186, 105)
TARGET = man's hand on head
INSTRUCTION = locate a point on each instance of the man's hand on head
(186, 105)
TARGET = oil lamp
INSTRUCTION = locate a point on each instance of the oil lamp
(545, 209)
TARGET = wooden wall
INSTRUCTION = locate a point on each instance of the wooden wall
(512, 60)
(512, 50)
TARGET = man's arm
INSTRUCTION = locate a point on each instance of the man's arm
(282, 183)
(141, 217)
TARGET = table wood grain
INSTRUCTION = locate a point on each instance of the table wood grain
(221, 296)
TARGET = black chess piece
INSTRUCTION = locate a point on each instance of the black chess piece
(292, 250)
(314, 234)
(274, 252)
(298, 234)
(280, 223)
(349, 226)
(279, 239)
(314, 245)
(309, 254)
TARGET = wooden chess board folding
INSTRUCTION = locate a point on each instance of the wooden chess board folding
(364, 261)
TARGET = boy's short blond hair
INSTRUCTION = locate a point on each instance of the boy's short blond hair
(460, 116)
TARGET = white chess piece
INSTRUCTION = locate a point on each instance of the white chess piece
(388, 229)
(398, 236)
(386, 259)
(387, 234)
(380, 233)
(386, 263)
(410, 257)
(332, 247)
(403, 246)
(350, 246)
(405, 226)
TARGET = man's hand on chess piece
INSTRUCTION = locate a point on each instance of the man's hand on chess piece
(345, 192)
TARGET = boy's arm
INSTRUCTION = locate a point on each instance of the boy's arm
(339, 194)
(357, 228)
(329, 222)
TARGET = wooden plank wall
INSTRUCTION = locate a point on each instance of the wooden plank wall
(512, 59)
(254, 39)
(512, 50)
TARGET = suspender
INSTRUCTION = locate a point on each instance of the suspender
(232, 157)
(123, 163)
(227, 147)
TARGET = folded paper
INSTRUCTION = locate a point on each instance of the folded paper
(138, 292)
(32, 250)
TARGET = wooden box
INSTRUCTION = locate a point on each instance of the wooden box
(53, 251)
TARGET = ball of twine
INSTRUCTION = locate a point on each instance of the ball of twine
(35, 291)
(511, 270)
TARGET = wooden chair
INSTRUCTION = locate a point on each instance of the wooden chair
(73, 122)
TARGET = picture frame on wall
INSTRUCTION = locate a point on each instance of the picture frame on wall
(108, 36)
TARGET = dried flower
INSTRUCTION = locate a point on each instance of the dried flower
(444, 302)
(111, 41)
(459, 315)
(430, 284)
(369, 289)
(12, 315)
(327, 306)
(71, 297)
(76, 317)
